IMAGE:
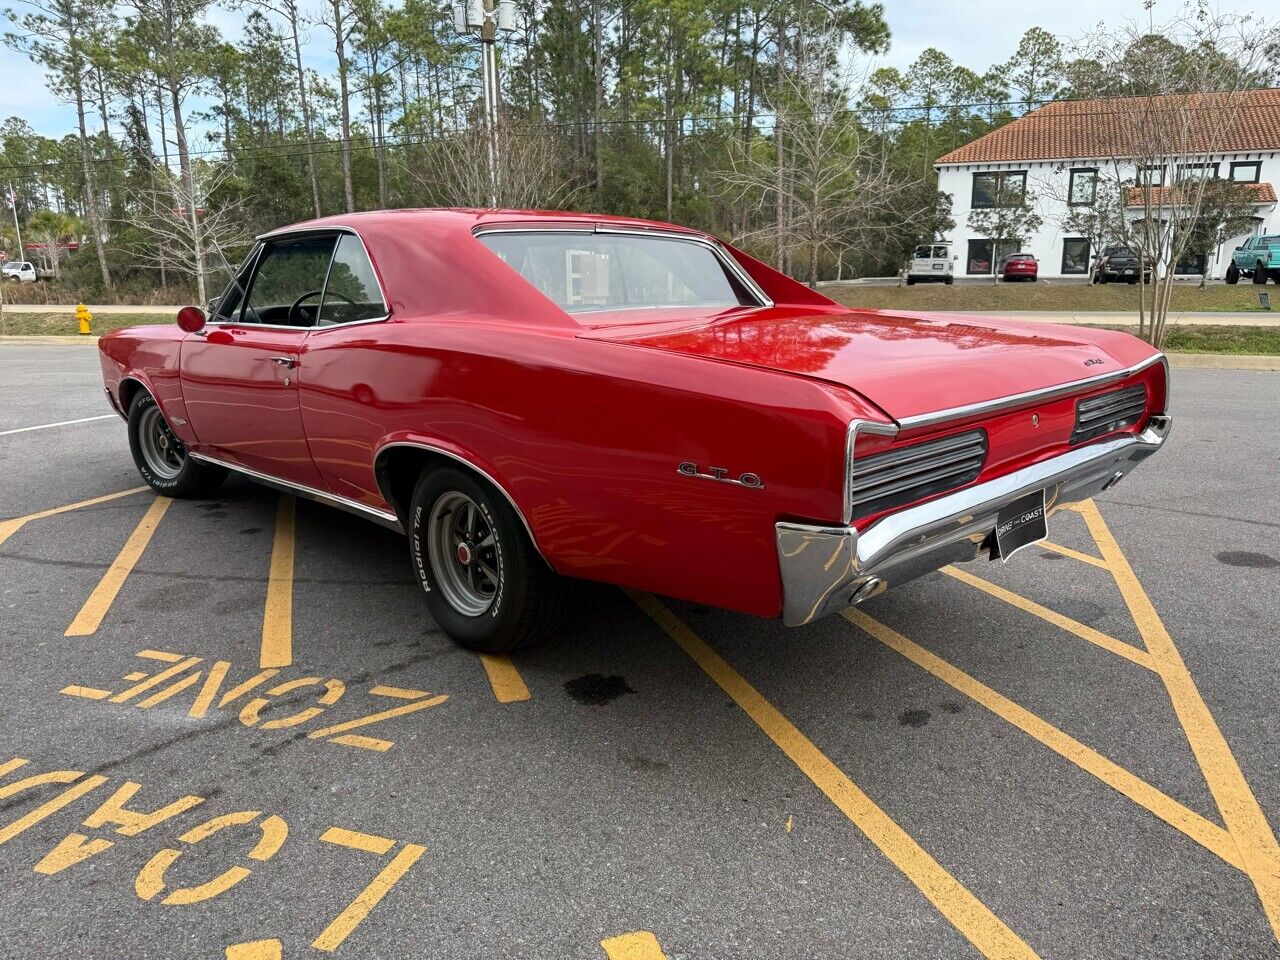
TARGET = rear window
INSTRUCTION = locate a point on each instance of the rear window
(1022, 256)
(585, 272)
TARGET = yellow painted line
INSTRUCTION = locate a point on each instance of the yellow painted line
(155, 680)
(508, 685)
(9, 527)
(95, 608)
(364, 743)
(987, 932)
(89, 693)
(1074, 554)
(640, 945)
(1240, 809)
(1084, 632)
(1209, 835)
(255, 950)
(356, 840)
(277, 618)
(369, 898)
(163, 655)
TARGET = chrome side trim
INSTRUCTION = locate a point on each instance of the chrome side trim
(726, 259)
(469, 465)
(388, 520)
(1031, 396)
(825, 568)
(851, 438)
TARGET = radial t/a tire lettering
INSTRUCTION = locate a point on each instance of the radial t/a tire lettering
(162, 458)
(484, 582)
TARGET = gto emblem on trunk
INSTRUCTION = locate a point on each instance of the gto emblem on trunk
(690, 469)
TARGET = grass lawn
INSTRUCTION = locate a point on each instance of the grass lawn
(1263, 341)
(1071, 297)
(64, 323)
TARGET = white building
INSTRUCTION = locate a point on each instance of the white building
(1058, 151)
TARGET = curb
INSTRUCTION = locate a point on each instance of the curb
(1223, 361)
(47, 339)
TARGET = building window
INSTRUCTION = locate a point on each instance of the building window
(987, 256)
(1075, 255)
(1151, 175)
(999, 189)
(1083, 190)
(1197, 171)
(1249, 171)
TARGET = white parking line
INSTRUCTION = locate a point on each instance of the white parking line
(60, 423)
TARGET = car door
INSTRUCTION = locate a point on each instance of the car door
(240, 374)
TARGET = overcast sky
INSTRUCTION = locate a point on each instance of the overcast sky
(976, 40)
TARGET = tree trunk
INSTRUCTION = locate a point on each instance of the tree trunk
(90, 192)
(597, 34)
(305, 104)
(189, 185)
(340, 49)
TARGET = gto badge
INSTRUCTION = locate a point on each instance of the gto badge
(690, 469)
(1094, 361)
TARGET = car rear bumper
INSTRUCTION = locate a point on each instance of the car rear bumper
(825, 569)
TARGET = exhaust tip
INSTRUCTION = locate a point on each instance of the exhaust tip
(867, 589)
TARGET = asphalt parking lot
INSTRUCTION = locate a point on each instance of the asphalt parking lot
(230, 729)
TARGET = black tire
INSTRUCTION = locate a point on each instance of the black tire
(911, 282)
(1102, 277)
(1233, 274)
(1260, 274)
(948, 281)
(527, 599)
(178, 476)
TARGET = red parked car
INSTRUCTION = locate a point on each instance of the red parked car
(533, 397)
(1021, 266)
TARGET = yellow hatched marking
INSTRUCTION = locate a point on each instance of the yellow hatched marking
(104, 594)
(162, 655)
(1240, 810)
(363, 743)
(1097, 637)
(356, 840)
(255, 950)
(987, 932)
(640, 945)
(277, 618)
(89, 693)
(1209, 835)
(1074, 554)
(9, 527)
(508, 685)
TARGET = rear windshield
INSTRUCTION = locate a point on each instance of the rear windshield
(585, 272)
(1022, 256)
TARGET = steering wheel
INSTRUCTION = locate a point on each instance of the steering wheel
(312, 293)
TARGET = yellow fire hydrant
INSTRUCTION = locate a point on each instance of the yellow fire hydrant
(84, 317)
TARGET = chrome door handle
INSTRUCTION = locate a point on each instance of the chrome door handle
(289, 362)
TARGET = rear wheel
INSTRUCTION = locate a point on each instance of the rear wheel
(162, 459)
(911, 282)
(484, 581)
(1233, 274)
(1260, 273)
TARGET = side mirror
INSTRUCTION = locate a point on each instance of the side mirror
(191, 319)
(956, 257)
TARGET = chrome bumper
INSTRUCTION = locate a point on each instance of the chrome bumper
(825, 569)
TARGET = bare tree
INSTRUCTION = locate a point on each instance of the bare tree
(1012, 217)
(833, 189)
(533, 169)
(167, 208)
(1185, 90)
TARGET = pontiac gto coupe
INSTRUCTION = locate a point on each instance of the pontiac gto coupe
(533, 397)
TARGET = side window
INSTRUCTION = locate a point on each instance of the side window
(287, 285)
(352, 291)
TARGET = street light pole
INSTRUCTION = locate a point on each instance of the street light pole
(483, 19)
(17, 227)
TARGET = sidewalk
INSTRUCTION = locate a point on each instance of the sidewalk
(103, 308)
(1261, 318)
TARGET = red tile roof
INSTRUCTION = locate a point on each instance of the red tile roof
(1071, 129)
(1167, 196)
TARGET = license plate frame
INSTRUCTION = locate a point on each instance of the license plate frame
(1021, 523)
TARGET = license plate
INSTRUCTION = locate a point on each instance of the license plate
(937, 266)
(1020, 524)
(1128, 272)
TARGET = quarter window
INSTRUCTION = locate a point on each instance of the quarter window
(351, 293)
(999, 189)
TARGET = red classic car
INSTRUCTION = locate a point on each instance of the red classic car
(533, 397)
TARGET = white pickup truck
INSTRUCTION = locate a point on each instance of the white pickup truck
(23, 271)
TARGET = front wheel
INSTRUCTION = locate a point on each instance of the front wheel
(162, 459)
(485, 584)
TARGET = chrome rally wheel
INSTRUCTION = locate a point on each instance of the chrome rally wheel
(162, 458)
(463, 551)
(163, 452)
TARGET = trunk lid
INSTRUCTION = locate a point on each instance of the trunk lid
(906, 364)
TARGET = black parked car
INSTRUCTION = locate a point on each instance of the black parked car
(1117, 264)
